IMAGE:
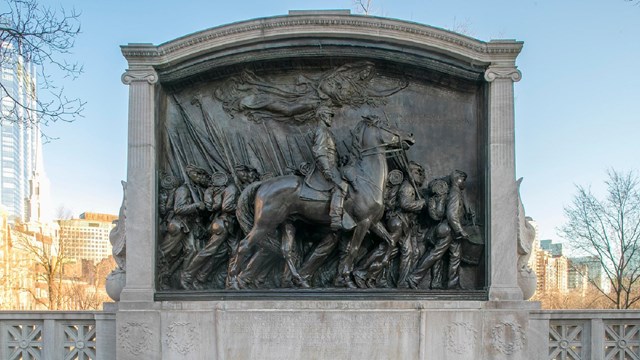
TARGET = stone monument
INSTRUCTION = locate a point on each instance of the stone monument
(323, 185)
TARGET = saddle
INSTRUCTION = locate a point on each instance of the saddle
(316, 188)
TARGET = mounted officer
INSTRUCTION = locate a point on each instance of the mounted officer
(326, 158)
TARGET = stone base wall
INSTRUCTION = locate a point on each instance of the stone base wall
(53, 335)
(322, 330)
(328, 330)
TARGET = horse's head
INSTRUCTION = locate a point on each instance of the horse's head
(377, 133)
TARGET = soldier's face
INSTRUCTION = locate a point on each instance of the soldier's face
(254, 176)
(243, 176)
(199, 179)
(418, 175)
(459, 181)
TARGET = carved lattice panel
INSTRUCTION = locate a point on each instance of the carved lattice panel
(79, 342)
(24, 342)
(622, 341)
(566, 340)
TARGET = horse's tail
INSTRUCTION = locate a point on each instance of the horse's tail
(245, 207)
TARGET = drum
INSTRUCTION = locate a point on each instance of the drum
(473, 247)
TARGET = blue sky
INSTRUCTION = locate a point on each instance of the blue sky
(577, 105)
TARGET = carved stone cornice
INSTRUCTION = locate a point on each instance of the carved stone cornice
(314, 27)
(380, 24)
(494, 73)
(148, 75)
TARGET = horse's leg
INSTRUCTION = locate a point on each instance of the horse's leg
(242, 255)
(288, 238)
(366, 270)
(345, 268)
(247, 273)
(379, 259)
(381, 231)
(255, 271)
(319, 255)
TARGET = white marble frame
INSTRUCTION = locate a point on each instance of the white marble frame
(497, 56)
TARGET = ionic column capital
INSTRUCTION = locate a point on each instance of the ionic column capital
(500, 72)
(148, 75)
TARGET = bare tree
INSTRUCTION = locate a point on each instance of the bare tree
(78, 295)
(38, 37)
(609, 229)
(462, 27)
(63, 213)
(363, 6)
(591, 298)
(49, 259)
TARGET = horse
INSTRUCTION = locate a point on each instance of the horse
(276, 204)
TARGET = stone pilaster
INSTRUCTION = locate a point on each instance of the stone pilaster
(503, 283)
(141, 186)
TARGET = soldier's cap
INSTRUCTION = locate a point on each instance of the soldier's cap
(168, 181)
(219, 178)
(395, 177)
(243, 167)
(458, 173)
(439, 186)
(192, 169)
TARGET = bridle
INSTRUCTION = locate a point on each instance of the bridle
(375, 150)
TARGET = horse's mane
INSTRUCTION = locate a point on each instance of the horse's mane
(356, 138)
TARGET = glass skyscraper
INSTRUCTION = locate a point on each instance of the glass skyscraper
(19, 132)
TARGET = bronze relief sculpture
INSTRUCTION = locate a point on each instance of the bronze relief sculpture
(300, 180)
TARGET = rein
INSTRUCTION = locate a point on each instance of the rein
(372, 150)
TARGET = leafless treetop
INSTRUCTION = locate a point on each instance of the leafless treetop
(42, 37)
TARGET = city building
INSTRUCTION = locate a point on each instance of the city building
(87, 238)
(584, 272)
(28, 256)
(20, 150)
(548, 246)
(551, 267)
(535, 247)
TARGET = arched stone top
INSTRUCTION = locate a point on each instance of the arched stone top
(320, 35)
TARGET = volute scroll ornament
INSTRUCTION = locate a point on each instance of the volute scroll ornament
(131, 76)
(499, 72)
